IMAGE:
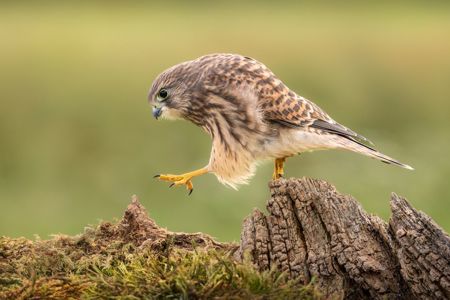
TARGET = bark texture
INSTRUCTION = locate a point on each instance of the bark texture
(314, 232)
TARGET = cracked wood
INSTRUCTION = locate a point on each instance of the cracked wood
(313, 231)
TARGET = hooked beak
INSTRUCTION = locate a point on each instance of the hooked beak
(156, 112)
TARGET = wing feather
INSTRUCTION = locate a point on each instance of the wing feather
(293, 111)
(276, 101)
(339, 129)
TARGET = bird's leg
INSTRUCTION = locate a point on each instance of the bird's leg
(278, 172)
(183, 179)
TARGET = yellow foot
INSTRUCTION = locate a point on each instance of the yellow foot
(183, 179)
(177, 180)
(277, 175)
(278, 171)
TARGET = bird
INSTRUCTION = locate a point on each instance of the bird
(250, 115)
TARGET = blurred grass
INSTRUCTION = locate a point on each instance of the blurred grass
(77, 137)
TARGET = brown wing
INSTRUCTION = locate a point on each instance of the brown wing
(277, 102)
(283, 106)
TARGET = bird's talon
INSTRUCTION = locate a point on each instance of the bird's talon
(183, 179)
(178, 180)
(277, 176)
(190, 192)
(156, 176)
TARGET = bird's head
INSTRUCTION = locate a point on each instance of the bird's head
(171, 92)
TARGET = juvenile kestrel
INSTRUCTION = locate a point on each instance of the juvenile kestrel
(250, 114)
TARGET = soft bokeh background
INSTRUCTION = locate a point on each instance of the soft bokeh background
(77, 138)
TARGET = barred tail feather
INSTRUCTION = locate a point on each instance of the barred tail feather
(355, 146)
(387, 159)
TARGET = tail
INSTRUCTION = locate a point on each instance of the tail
(358, 147)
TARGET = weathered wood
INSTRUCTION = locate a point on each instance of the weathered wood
(423, 251)
(313, 231)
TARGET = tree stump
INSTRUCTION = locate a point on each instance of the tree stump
(311, 232)
(315, 233)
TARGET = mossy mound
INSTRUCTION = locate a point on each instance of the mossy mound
(135, 259)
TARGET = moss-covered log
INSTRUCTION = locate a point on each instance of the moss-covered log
(136, 259)
(314, 243)
(313, 231)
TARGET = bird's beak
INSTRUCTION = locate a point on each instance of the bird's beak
(156, 112)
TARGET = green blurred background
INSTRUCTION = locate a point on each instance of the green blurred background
(77, 138)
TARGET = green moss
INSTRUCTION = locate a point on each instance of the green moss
(186, 274)
(134, 259)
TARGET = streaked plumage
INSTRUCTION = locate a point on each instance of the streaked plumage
(250, 114)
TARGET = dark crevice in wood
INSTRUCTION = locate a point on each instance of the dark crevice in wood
(328, 235)
(306, 272)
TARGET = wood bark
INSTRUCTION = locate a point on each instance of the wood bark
(315, 233)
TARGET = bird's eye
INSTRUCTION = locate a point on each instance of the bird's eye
(162, 95)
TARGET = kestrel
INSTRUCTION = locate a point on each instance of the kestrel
(251, 116)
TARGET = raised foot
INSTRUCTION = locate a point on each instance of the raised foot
(184, 179)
